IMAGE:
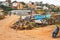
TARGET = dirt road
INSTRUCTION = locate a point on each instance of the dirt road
(42, 33)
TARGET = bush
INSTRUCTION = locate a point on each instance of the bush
(1, 17)
(5, 8)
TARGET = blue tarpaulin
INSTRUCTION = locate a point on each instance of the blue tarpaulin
(41, 17)
(48, 15)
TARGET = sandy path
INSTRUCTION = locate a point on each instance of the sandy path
(42, 33)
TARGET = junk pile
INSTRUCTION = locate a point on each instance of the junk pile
(29, 22)
(23, 24)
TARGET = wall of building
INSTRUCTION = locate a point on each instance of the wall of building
(20, 6)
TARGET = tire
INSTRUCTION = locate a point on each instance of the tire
(54, 35)
(55, 32)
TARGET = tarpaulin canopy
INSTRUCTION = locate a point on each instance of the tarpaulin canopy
(41, 17)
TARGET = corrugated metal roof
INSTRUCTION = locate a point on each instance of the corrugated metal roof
(20, 12)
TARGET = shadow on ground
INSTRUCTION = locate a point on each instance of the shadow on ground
(58, 37)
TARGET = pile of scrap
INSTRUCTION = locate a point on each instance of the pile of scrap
(22, 25)
(29, 22)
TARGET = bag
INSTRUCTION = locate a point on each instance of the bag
(55, 32)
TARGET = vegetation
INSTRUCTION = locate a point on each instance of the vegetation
(5, 12)
(2, 16)
(39, 11)
(6, 9)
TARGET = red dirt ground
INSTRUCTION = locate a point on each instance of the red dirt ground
(42, 33)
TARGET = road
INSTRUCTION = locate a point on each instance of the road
(42, 33)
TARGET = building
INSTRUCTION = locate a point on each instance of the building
(9, 1)
(39, 7)
(31, 5)
(14, 4)
(4, 3)
(20, 5)
(45, 8)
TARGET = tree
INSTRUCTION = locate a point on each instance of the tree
(5, 8)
